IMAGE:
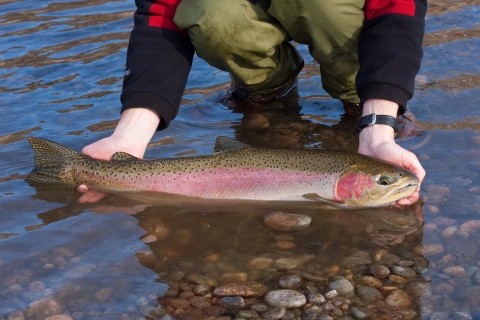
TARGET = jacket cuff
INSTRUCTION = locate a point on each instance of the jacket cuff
(160, 106)
(387, 92)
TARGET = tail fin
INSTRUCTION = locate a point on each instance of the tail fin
(50, 160)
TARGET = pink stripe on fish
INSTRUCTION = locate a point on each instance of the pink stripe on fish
(237, 183)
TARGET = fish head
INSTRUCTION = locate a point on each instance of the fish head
(374, 184)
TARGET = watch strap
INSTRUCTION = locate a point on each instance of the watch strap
(372, 119)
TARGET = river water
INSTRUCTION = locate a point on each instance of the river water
(61, 68)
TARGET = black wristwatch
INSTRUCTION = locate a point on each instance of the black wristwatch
(375, 119)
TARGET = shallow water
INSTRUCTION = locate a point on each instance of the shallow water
(61, 68)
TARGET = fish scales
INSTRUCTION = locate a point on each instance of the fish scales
(234, 171)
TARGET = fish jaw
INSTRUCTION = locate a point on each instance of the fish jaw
(363, 190)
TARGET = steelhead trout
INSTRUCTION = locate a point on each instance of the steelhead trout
(233, 171)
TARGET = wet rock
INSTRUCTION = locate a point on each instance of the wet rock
(444, 221)
(316, 298)
(370, 281)
(442, 288)
(403, 272)
(247, 314)
(462, 315)
(201, 279)
(244, 289)
(429, 250)
(186, 295)
(285, 298)
(355, 261)
(361, 313)
(275, 313)
(14, 288)
(470, 226)
(397, 299)
(200, 302)
(285, 245)
(176, 275)
(42, 309)
(60, 317)
(202, 289)
(397, 279)
(231, 302)
(179, 303)
(309, 314)
(439, 316)
(259, 307)
(293, 262)
(228, 277)
(390, 259)
(379, 271)
(286, 221)
(260, 263)
(331, 294)
(408, 314)
(325, 317)
(214, 311)
(343, 287)
(369, 294)
(454, 271)
(420, 289)
(477, 277)
(16, 315)
(449, 232)
(103, 295)
(292, 281)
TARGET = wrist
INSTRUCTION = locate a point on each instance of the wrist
(137, 126)
(380, 106)
(377, 133)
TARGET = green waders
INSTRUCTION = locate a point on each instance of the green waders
(251, 41)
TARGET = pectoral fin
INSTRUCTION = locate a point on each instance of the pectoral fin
(331, 203)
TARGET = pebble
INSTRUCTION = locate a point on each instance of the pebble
(200, 302)
(285, 298)
(449, 232)
(331, 294)
(309, 314)
(368, 294)
(444, 222)
(42, 309)
(60, 317)
(454, 271)
(260, 263)
(477, 277)
(397, 279)
(343, 287)
(462, 315)
(202, 289)
(285, 244)
(290, 282)
(244, 289)
(361, 313)
(259, 307)
(442, 288)
(403, 272)
(282, 221)
(325, 316)
(201, 279)
(231, 302)
(379, 271)
(315, 298)
(275, 313)
(397, 299)
(292, 262)
(16, 315)
(228, 277)
(247, 314)
(439, 316)
(179, 303)
(429, 250)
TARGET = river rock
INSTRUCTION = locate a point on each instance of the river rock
(179, 303)
(429, 250)
(439, 315)
(370, 281)
(316, 298)
(201, 279)
(42, 309)
(397, 299)
(477, 277)
(403, 272)
(291, 281)
(275, 313)
(454, 271)
(231, 302)
(379, 271)
(16, 315)
(200, 302)
(369, 294)
(293, 262)
(285, 298)
(361, 313)
(343, 287)
(260, 263)
(244, 289)
(442, 288)
(60, 317)
(449, 232)
(325, 316)
(228, 277)
(202, 289)
(286, 221)
(462, 315)
(247, 314)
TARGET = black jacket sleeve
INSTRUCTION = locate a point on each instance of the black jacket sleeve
(159, 58)
(390, 50)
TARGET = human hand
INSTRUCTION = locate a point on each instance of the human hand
(378, 141)
(132, 134)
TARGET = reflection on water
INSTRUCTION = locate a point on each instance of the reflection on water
(61, 67)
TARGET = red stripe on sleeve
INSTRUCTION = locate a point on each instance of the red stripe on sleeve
(162, 13)
(376, 8)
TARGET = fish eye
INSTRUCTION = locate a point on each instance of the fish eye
(400, 174)
(385, 180)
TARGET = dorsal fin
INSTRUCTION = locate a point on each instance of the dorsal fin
(122, 156)
(225, 144)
